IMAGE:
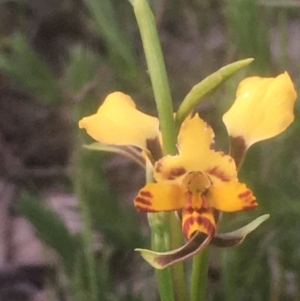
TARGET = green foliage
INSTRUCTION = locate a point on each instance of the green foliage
(51, 229)
(81, 70)
(249, 32)
(271, 168)
(105, 22)
(21, 63)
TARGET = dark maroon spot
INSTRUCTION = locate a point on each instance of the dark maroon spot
(176, 172)
(153, 145)
(189, 209)
(143, 201)
(238, 149)
(201, 210)
(146, 194)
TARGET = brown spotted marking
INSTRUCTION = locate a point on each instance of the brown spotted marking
(200, 220)
(250, 207)
(143, 201)
(245, 194)
(238, 149)
(219, 174)
(158, 166)
(176, 172)
(248, 198)
(146, 194)
(153, 145)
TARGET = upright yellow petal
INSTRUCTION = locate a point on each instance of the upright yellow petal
(118, 122)
(263, 108)
(195, 154)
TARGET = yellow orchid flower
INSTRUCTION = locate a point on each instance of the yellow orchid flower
(263, 109)
(198, 182)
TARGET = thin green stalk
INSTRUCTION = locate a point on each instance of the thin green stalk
(158, 75)
(89, 251)
(169, 235)
(177, 269)
(86, 235)
(199, 275)
(160, 241)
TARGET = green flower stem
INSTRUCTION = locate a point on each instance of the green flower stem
(199, 275)
(160, 241)
(178, 268)
(164, 236)
(87, 240)
(158, 75)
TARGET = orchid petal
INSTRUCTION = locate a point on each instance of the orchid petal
(198, 220)
(195, 154)
(161, 260)
(156, 197)
(118, 122)
(263, 108)
(231, 196)
(236, 237)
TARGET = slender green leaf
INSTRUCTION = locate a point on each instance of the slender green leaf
(207, 86)
(51, 229)
(81, 69)
(105, 22)
(23, 65)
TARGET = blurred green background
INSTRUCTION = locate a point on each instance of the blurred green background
(59, 59)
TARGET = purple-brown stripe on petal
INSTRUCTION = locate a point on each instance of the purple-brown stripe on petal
(176, 172)
(158, 166)
(248, 199)
(245, 194)
(142, 201)
(216, 172)
(146, 194)
(252, 205)
(201, 221)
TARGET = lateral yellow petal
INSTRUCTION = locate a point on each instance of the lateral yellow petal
(231, 196)
(118, 122)
(201, 220)
(195, 154)
(263, 108)
(156, 197)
